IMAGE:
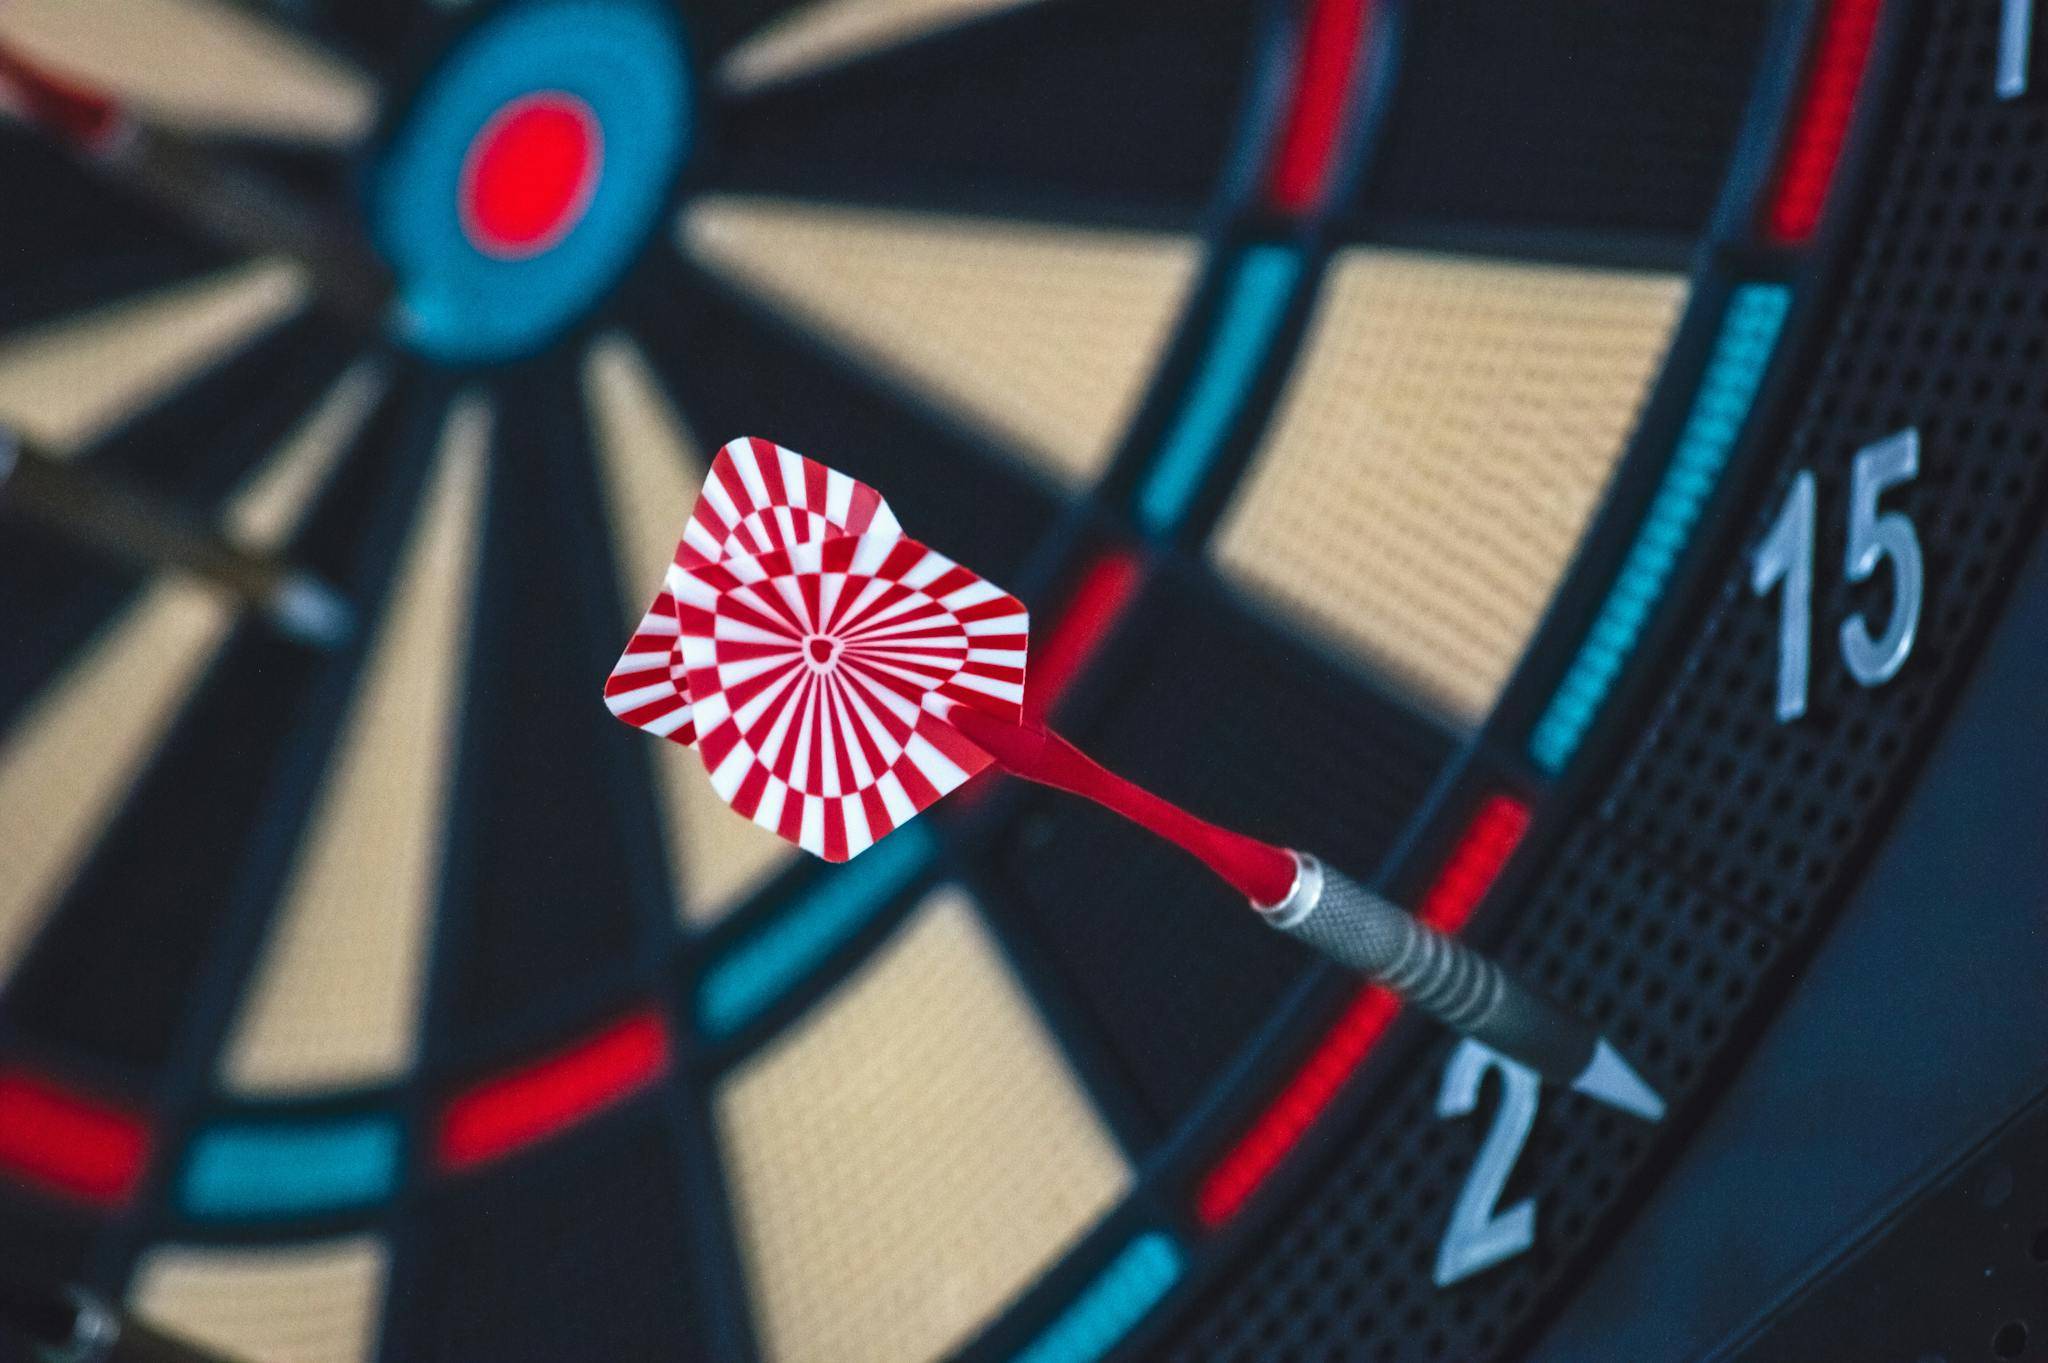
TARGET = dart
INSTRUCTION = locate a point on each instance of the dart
(837, 677)
(238, 209)
(72, 1325)
(125, 522)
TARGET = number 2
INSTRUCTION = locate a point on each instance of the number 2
(1478, 1237)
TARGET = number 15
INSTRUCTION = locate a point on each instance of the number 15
(1786, 556)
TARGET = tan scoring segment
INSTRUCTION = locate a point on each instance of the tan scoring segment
(653, 468)
(65, 765)
(1436, 456)
(1043, 337)
(63, 383)
(834, 31)
(336, 997)
(911, 1155)
(313, 1303)
(231, 72)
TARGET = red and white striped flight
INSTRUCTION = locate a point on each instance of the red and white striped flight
(809, 670)
(757, 499)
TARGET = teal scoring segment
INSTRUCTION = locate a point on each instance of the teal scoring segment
(1254, 303)
(1111, 1306)
(743, 983)
(1742, 352)
(264, 1170)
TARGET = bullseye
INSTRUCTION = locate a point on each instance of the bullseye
(529, 170)
(530, 174)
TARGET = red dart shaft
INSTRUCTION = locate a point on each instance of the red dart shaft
(1258, 870)
(1348, 923)
(235, 207)
(85, 116)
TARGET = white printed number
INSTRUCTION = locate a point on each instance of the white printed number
(1479, 1236)
(1785, 559)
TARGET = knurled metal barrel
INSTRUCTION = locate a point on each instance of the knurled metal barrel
(1469, 993)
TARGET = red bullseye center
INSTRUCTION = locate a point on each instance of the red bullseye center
(823, 650)
(530, 174)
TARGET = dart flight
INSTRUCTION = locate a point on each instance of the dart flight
(837, 678)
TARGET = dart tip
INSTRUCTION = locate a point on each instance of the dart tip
(307, 609)
(1613, 1081)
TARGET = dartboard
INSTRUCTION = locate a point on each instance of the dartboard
(1574, 464)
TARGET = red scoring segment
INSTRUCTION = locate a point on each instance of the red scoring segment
(1287, 1119)
(1105, 591)
(1487, 843)
(530, 174)
(1332, 63)
(1821, 126)
(1468, 873)
(68, 1143)
(511, 1111)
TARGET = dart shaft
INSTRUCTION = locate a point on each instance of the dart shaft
(82, 116)
(70, 1325)
(1339, 918)
(242, 211)
(1445, 978)
(237, 209)
(123, 522)
(1258, 870)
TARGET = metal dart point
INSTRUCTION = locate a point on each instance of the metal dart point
(1469, 993)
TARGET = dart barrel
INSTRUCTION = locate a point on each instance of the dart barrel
(243, 211)
(1450, 981)
(246, 212)
(125, 522)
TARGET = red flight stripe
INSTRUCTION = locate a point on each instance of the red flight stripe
(1820, 128)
